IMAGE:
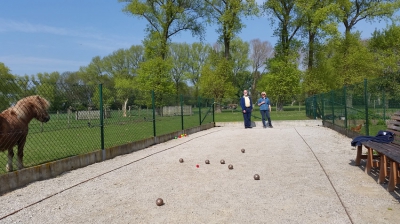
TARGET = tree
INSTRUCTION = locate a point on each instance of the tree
(352, 61)
(228, 15)
(281, 83)
(46, 86)
(320, 20)
(180, 57)
(165, 19)
(216, 78)
(9, 89)
(322, 77)
(122, 66)
(386, 48)
(385, 44)
(95, 73)
(154, 75)
(91, 76)
(289, 20)
(354, 11)
(241, 76)
(260, 52)
(199, 53)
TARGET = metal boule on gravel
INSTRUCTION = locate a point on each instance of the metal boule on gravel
(181, 160)
(159, 201)
(230, 166)
(243, 150)
(207, 161)
(256, 177)
(222, 161)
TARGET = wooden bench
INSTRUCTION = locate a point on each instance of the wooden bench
(387, 157)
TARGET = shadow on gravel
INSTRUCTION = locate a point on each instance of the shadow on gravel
(375, 175)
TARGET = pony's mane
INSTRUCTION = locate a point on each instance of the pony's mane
(39, 103)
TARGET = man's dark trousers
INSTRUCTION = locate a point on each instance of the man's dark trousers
(247, 118)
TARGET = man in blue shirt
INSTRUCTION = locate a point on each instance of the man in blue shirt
(247, 108)
(265, 109)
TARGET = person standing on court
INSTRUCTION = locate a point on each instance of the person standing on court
(265, 109)
(247, 108)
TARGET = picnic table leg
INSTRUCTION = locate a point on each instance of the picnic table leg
(359, 152)
(382, 169)
(393, 176)
(370, 157)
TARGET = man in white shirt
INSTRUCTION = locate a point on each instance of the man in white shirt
(247, 108)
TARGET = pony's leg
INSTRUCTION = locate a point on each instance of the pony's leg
(10, 155)
(20, 154)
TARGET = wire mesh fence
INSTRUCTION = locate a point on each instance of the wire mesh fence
(84, 119)
(363, 108)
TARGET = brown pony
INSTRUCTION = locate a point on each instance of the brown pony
(14, 125)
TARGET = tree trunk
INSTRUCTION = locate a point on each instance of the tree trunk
(279, 106)
(124, 108)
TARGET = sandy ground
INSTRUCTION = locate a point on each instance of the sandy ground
(307, 176)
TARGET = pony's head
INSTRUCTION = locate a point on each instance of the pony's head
(32, 107)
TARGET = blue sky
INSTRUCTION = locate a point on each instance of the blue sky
(63, 35)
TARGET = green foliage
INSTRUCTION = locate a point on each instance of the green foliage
(242, 77)
(369, 10)
(8, 89)
(179, 53)
(216, 76)
(198, 54)
(228, 17)
(289, 19)
(165, 19)
(322, 76)
(352, 60)
(386, 46)
(282, 82)
(154, 74)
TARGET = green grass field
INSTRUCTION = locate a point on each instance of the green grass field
(289, 113)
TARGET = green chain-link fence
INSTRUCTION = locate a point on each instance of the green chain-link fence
(76, 127)
(363, 108)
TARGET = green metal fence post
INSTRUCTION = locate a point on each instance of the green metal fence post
(322, 107)
(102, 122)
(315, 107)
(213, 110)
(366, 107)
(345, 106)
(182, 111)
(199, 102)
(384, 106)
(154, 113)
(333, 109)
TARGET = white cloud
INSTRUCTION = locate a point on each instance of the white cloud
(87, 37)
(11, 25)
(88, 34)
(19, 65)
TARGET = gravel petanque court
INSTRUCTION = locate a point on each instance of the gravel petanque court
(307, 175)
